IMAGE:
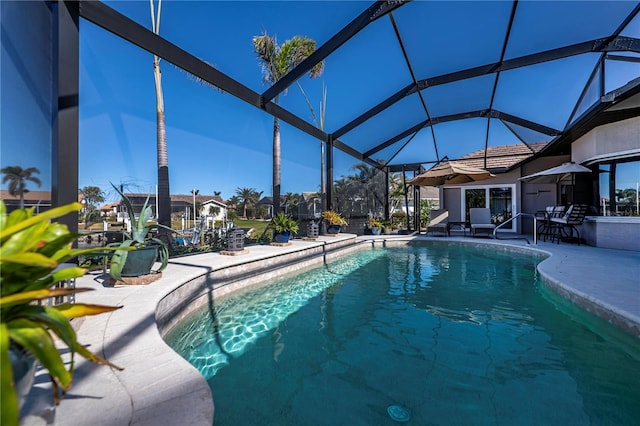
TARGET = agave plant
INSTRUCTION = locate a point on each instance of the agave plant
(138, 237)
(283, 223)
(32, 247)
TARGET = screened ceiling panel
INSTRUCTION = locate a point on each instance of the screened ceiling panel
(367, 69)
(458, 138)
(527, 135)
(545, 93)
(632, 29)
(500, 135)
(532, 67)
(389, 123)
(227, 28)
(546, 25)
(443, 37)
(389, 153)
(417, 149)
(460, 96)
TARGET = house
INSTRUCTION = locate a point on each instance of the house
(610, 150)
(181, 205)
(502, 193)
(310, 206)
(40, 200)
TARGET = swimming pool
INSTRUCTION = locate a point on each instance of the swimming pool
(454, 335)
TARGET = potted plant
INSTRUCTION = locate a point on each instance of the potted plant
(283, 226)
(32, 249)
(140, 261)
(335, 221)
(387, 226)
(375, 226)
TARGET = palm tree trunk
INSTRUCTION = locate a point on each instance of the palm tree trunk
(164, 198)
(276, 166)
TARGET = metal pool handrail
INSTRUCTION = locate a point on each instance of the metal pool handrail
(535, 227)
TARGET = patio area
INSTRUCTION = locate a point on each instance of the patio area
(171, 391)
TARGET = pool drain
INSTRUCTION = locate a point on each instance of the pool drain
(398, 413)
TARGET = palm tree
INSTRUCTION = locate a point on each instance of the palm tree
(164, 197)
(290, 200)
(277, 61)
(18, 178)
(372, 182)
(318, 120)
(249, 196)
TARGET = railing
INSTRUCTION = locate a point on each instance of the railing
(70, 283)
(535, 227)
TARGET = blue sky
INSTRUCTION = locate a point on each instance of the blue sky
(218, 143)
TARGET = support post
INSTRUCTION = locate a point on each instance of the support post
(64, 129)
(329, 173)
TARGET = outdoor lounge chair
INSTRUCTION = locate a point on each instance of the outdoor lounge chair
(480, 219)
(438, 221)
(573, 217)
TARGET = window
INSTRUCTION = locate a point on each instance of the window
(499, 199)
(618, 183)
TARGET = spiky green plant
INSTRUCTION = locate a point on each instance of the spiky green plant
(283, 223)
(138, 237)
(32, 247)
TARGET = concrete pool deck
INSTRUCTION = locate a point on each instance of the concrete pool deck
(158, 387)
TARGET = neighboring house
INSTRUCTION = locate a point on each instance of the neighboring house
(180, 203)
(266, 202)
(310, 206)
(109, 209)
(209, 206)
(431, 194)
(40, 200)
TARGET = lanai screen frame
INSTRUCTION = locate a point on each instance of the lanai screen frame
(125, 28)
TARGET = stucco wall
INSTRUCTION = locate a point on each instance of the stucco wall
(611, 139)
(612, 232)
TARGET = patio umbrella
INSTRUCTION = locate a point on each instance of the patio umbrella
(556, 174)
(449, 172)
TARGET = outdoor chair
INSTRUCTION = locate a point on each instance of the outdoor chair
(480, 219)
(438, 221)
(544, 217)
(573, 217)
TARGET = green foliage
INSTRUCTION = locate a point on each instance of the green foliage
(140, 229)
(283, 223)
(399, 219)
(386, 224)
(425, 212)
(32, 247)
(249, 198)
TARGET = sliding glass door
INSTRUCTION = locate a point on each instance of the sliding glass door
(499, 199)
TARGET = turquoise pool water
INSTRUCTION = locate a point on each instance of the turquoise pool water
(452, 335)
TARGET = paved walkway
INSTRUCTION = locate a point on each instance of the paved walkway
(158, 387)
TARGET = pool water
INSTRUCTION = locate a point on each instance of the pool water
(433, 334)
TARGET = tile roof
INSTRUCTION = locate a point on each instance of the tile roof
(500, 158)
